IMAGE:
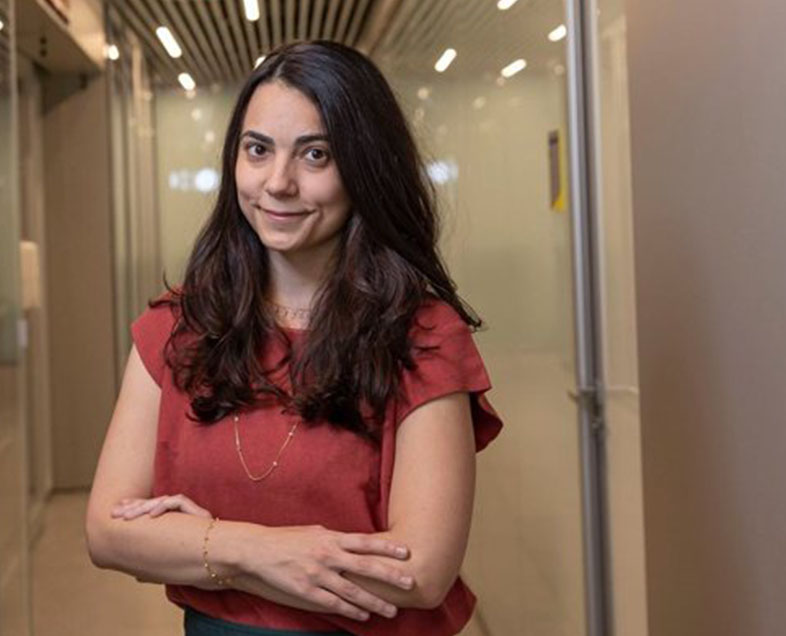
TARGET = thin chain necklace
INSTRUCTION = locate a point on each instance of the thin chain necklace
(286, 312)
(274, 465)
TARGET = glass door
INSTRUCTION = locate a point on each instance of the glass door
(14, 563)
(616, 300)
(486, 88)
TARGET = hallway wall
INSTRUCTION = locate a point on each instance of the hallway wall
(708, 150)
(79, 273)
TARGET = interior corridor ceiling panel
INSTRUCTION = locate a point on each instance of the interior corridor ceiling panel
(220, 45)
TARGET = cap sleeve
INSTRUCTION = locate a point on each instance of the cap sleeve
(456, 365)
(150, 332)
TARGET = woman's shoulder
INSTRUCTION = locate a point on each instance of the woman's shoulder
(163, 308)
(434, 312)
(153, 326)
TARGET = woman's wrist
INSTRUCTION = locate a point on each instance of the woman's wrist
(225, 548)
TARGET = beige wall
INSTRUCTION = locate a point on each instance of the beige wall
(708, 154)
(79, 273)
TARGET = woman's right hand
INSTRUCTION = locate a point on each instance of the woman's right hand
(306, 563)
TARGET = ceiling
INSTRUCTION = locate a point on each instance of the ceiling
(407, 36)
(220, 45)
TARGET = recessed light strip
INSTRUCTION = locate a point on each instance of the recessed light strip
(169, 42)
(251, 8)
(186, 81)
(444, 60)
(557, 34)
(514, 67)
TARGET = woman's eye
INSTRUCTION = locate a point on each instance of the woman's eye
(317, 154)
(255, 150)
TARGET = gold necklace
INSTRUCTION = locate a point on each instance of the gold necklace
(274, 465)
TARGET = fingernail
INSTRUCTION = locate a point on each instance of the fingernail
(401, 551)
(406, 580)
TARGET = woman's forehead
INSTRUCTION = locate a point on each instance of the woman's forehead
(275, 105)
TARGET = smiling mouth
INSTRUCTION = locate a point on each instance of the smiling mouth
(283, 215)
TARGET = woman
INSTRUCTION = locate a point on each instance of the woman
(249, 463)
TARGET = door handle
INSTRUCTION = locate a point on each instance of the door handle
(581, 395)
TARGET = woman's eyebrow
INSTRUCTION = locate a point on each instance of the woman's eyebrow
(302, 139)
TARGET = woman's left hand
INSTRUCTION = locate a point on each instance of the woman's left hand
(132, 508)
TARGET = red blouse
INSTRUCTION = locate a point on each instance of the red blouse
(325, 475)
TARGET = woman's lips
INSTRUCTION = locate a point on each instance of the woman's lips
(289, 216)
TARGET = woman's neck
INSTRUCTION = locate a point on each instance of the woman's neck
(296, 278)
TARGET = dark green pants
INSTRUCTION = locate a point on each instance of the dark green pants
(198, 624)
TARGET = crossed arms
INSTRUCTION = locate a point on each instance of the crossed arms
(308, 567)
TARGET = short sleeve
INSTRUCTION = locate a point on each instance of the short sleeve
(150, 332)
(456, 365)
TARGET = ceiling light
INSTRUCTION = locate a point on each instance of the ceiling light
(1, 25)
(557, 34)
(112, 52)
(251, 8)
(514, 67)
(169, 42)
(445, 59)
(505, 4)
(186, 81)
(259, 60)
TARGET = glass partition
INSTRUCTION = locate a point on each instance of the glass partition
(14, 562)
(494, 128)
(618, 302)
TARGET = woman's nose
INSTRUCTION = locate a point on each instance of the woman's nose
(281, 180)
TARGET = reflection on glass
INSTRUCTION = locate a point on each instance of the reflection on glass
(620, 361)
(14, 573)
(493, 127)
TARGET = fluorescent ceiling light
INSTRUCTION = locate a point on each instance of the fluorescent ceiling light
(445, 59)
(112, 52)
(514, 67)
(557, 34)
(259, 60)
(169, 42)
(251, 8)
(505, 4)
(186, 81)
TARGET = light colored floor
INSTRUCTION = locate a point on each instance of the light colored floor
(71, 597)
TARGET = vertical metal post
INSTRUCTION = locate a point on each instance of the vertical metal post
(584, 200)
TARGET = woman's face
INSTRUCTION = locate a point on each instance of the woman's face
(285, 165)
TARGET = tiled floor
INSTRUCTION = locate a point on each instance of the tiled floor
(71, 597)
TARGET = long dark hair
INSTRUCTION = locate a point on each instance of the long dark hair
(386, 266)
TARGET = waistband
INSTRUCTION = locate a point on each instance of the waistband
(198, 624)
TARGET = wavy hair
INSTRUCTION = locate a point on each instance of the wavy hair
(386, 265)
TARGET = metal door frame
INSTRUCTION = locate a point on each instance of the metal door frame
(580, 18)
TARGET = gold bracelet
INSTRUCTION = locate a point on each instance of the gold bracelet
(213, 576)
